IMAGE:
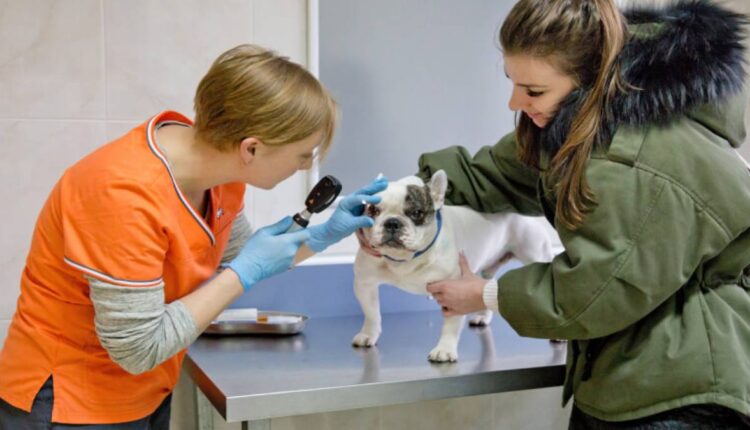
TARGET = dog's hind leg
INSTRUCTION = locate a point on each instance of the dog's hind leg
(447, 347)
(481, 318)
(484, 318)
(368, 295)
(489, 272)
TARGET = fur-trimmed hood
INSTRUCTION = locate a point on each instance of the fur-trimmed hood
(687, 59)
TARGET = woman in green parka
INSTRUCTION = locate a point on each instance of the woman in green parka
(626, 132)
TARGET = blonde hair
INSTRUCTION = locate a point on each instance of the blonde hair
(253, 92)
(582, 39)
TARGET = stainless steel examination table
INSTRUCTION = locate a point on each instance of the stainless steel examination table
(253, 379)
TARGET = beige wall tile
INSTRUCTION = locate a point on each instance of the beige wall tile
(264, 207)
(51, 59)
(32, 158)
(117, 129)
(282, 26)
(460, 413)
(3, 331)
(157, 51)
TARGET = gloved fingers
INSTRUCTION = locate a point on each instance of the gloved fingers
(361, 222)
(279, 227)
(299, 236)
(354, 201)
(373, 187)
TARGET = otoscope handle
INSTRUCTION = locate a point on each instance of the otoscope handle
(320, 197)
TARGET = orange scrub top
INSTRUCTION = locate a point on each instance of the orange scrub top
(117, 215)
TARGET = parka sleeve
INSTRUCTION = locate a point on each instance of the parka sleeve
(493, 180)
(641, 244)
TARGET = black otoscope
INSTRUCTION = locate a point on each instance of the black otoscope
(320, 197)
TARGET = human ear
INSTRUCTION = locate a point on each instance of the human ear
(248, 148)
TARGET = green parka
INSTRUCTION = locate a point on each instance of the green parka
(653, 289)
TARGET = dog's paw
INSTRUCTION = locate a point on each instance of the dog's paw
(443, 355)
(364, 340)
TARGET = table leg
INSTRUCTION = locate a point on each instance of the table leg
(203, 411)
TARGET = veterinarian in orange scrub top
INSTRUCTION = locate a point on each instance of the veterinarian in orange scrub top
(124, 267)
(625, 140)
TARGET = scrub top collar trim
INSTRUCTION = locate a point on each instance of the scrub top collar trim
(155, 122)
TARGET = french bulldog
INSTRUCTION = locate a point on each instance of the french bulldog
(416, 240)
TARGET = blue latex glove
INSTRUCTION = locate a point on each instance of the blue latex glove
(347, 218)
(269, 251)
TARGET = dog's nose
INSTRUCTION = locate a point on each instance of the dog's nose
(392, 224)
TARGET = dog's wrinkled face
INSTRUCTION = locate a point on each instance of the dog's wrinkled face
(405, 218)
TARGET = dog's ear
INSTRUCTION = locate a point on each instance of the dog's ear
(438, 184)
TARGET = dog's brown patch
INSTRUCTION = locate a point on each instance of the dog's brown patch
(419, 206)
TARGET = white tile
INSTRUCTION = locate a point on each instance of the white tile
(51, 59)
(265, 207)
(157, 51)
(116, 129)
(531, 410)
(3, 331)
(281, 25)
(33, 156)
(458, 413)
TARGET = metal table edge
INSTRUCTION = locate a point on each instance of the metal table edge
(235, 408)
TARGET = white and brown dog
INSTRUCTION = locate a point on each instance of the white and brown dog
(416, 240)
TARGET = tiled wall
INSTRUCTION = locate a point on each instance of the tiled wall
(75, 74)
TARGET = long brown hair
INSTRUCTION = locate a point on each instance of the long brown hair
(582, 39)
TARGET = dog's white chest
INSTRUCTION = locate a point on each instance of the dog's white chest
(413, 276)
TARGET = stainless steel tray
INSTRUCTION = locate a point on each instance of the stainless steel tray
(270, 327)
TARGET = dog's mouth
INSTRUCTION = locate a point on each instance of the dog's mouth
(392, 239)
(388, 241)
(391, 242)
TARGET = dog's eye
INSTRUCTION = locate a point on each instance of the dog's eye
(415, 214)
(372, 211)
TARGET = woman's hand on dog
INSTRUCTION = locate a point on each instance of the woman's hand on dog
(460, 296)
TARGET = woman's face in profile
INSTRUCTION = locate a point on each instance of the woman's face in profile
(538, 87)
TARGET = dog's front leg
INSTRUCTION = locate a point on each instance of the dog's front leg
(447, 347)
(366, 291)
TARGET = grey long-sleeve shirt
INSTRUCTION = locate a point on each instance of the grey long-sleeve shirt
(137, 328)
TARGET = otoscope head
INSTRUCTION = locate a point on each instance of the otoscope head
(323, 194)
